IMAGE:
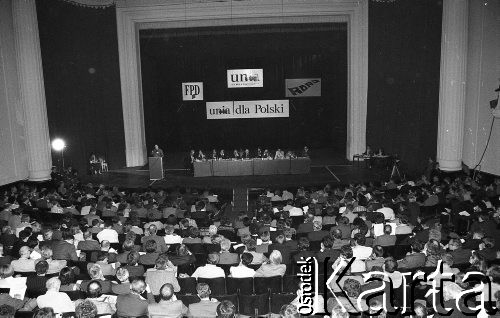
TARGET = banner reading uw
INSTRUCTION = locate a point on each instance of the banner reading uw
(247, 109)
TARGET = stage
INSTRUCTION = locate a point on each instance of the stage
(326, 167)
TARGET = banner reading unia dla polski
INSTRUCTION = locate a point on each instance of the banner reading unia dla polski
(248, 109)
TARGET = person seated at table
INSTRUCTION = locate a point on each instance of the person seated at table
(380, 152)
(213, 155)
(305, 152)
(266, 155)
(246, 154)
(280, 154)
(222, 154)
(236, 154)
(258, 153)
(290, 155)
(368, 152)
(200, 156)
(189, 161)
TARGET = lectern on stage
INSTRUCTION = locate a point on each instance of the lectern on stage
(155, 168)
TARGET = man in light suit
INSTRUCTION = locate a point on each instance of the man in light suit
(169, 306)
(206, 308)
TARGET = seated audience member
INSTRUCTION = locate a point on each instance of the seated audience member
(434, 251)
(246, 227)
(60, 302)
(160, 241)
(127, 247)
(168, 306)
(24, 263)
(194, 236)
(404, 226)
(10, 305)
(317, 234)
(327, 251)
(22, 241)
(170, 237)
(163, 273)
(212, 230)
(122, 285)
(392, 275)
(263, 242)
(376, 259)
(273, 268)
(289, 311)
(258, 258)
(352, 289)
(36, 284)
(206, 307)
(95, 274)
(226, 257)
(112, 253)
(460, 255)
(242, 270)
(358, 249)
(487, 249)
(415, 258)
(304, 252)
(280, 245)
(7, 279)
(106, 268)
(151, 253)
(387, 211)
(344, 226)
(88, 243)
(386, 239)
(182, 256)
(289, 241)
(307, 226)
(95, 295)
(68, 280)
(65, 249)
(55, 266)
(132, 265)
(211, 270)
(133, 304)
(338, 241)
(477, 263)
(46, 312)
(226, 309)
(108, 233)
(85, 309)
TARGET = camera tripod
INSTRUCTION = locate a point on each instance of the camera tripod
(395, 170)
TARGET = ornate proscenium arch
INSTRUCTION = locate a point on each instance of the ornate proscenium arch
(133, 15)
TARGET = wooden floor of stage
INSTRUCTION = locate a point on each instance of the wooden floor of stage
(326, 167)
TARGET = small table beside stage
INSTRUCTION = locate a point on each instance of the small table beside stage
(224, 168)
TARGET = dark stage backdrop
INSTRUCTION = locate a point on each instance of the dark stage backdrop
(84, 108)
(403, 82)
(172, 56)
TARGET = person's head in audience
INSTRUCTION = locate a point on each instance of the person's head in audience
(203, 291)
(67, 236)
(24, 234)
(303, 244)
(448, 259)
(289, 311)
(166, 292)
(251, 245)
(417, 246)
(105, 246)
(7, 311)
(150, 246)
(378, 251)
(317, 226)
(41, 268)
(213, 258)
(265, 236)
(162, 262)
(24, 252)
(344, 220)
(336, 233)
(288, 233)
(225, 245)
(420, 310)
(280, 239)
(326, 243)
(216, 239)
(346, 252)
(47, 235)
(184, 224)
(152, 229)
(246, 259)
(87, 235)
(86, 309)
(478, 262)
(131, 236)
(494, 273)
(275, 257)
(6, 271)
(102, 257)
(212, 230)
(226, 309)
(387, 229)
(138, 286)
(194, 232)
(95, 272)
(478, 235)
(95, 223)
(454, 244)
(390, 265)
(94, 289)
(66, 276)
(352, 288)
(488, 242)
(122, 275)
(53, 284)
(169, 229)
(128, 245)
(182, 250)
(46, 312)
(358, 240)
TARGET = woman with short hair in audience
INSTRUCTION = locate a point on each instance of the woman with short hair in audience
(68, 280)
(273, 267)
(133, 267)
(95, 273)
(122, 286)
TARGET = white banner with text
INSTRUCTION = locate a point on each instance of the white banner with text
(248, 109)
(302, 87)
(245, 78)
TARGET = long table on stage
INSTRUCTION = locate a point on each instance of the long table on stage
(258, 167)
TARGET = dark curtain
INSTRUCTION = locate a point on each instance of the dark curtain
(170, 57)
(403, 79)
(82, 81)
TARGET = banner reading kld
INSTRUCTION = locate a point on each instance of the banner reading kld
(247, 109)
(303, 87)
(245, 78)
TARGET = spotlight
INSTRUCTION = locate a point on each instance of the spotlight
(58, 145)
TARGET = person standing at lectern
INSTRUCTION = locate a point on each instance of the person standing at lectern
(157, 152)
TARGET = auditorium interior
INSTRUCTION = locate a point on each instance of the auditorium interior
(249, 158)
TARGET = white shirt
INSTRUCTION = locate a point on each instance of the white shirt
(361, 252)
(209, 271)
(60, 302)
(173, 239)
(295, 211)
(108, 235)
(241, 271)
(387, 212)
